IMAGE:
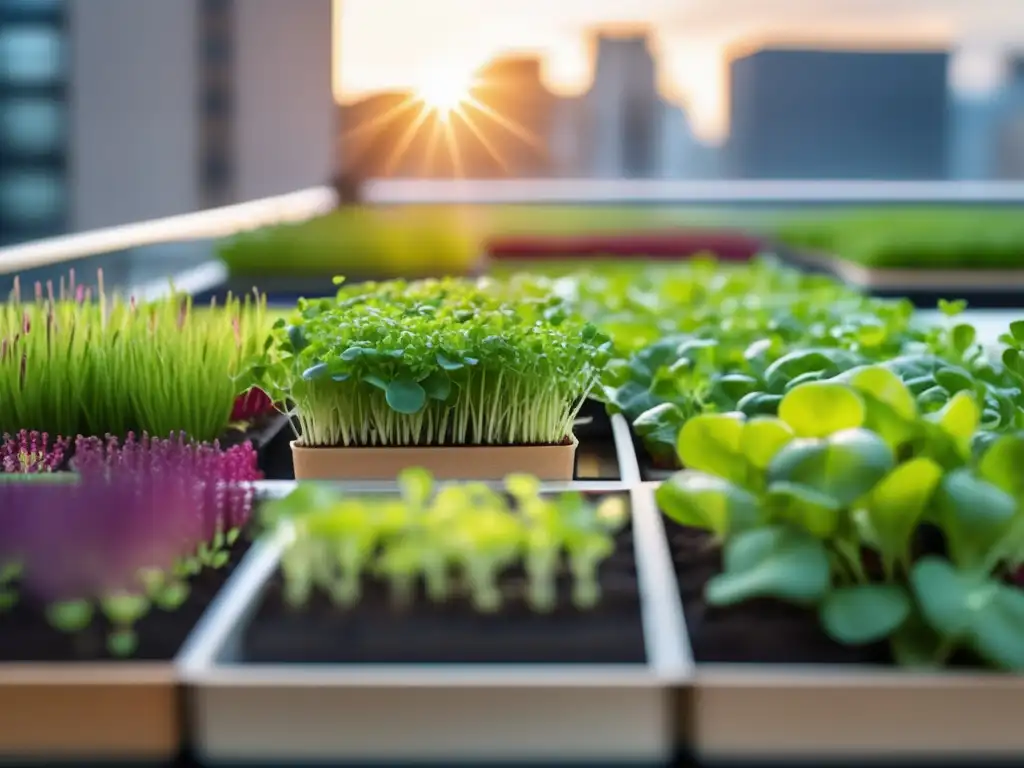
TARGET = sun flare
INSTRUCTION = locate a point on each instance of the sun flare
(445, 90)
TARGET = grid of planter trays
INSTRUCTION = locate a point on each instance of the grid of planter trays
(726, 509)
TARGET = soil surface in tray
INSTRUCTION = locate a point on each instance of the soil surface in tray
(26, 636)
(376, 631)
(758, 631)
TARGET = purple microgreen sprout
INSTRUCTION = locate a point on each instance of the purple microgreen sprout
(115, 535)
(31, 453)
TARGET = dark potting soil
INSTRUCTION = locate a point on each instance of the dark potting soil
(593, 422)
(377, 631)
(270, 434)
(25, 634)
(757, 631)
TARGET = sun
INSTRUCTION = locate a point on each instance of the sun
(444, 90)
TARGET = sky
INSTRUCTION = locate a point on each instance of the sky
(404, 44)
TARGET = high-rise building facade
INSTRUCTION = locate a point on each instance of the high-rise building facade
(121, 110)
(34, 78)
(839, 114)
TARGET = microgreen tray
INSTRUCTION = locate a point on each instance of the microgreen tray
(989, 288)
(563, 686)
(770, 686)
(606, 456)
(64, 696)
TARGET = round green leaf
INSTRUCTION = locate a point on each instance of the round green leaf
(803, 506)
(864, 613)
(943, 595)
(759, 404)
(777, 561)
(886, 387)
(711, 443)
(821, 408)
(707, 502)
(975, 516)
(844, 467)
(998, 628)
(985, 614)
(1002, 464)
(960, 416)
(405, 396)
(899, 501)
(438, 385)
(315, 372)
(762, 438)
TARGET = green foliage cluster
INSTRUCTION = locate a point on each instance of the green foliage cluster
(825, 504)
(366, 242)
(73, 366)
(452, 540)
(433, 362)
(716, 338)
(919, 238)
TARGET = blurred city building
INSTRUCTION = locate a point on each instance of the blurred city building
(120, 110)
(512, 125)
(839, 114)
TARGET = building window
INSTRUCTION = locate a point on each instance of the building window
(30, 5)
(32, 198)
(31, 126)
(30, 54)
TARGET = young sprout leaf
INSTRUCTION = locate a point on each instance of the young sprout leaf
(405, 396)
(898, 503)
(763, 438)
(713, 443)
(122, 642)
(707, 502)
(70, 615)
(864, 613)
(775, 561)
(950, 601)
(844, 466)
(974, 515)
(821, 408)
(809, 509)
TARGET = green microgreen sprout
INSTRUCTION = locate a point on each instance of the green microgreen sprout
(73, 366)
(456, 539)
(9, 575)
(434, 362)
(123, 610)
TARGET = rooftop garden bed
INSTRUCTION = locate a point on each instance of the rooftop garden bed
(967, 238)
